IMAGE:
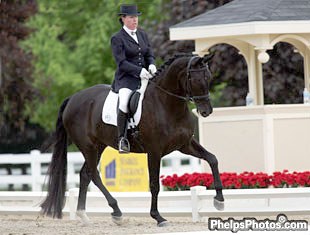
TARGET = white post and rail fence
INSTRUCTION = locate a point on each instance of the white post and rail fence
(37, 162)
(196, 203)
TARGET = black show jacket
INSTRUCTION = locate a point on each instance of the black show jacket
(130, 58)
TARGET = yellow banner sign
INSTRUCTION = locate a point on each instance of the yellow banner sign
(124, 172)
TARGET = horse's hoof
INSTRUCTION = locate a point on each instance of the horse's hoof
(83, 217)
(117, 220)
(219, 205)
(164, 223)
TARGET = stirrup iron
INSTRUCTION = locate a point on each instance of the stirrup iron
(123, 145)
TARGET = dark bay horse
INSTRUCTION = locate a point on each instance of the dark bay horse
(166, 125)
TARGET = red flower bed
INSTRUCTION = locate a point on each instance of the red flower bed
(238, 181)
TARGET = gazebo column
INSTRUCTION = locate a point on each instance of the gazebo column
(255, 77)
(307, 68)
(259, 80)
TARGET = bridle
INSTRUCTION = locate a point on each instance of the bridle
(189, 70)
(189, 96)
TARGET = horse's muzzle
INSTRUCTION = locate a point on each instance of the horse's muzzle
(205, 112)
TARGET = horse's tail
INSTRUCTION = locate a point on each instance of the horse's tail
(57, 171)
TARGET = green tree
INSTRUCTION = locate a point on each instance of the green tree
(16, 89)
(72, 49)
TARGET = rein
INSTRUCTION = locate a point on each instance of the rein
(186, 98)
(188, 85)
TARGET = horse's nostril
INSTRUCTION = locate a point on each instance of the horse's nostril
(204, 114)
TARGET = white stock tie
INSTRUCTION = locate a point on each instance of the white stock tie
(134, 36)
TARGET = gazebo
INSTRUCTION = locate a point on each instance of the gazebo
(254, 26)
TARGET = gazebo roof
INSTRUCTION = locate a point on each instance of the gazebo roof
(240, 11)
(247, 17)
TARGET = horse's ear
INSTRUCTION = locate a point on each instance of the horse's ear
(208, 57)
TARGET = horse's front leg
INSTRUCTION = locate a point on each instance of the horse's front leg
(154, 169)
(196, 150)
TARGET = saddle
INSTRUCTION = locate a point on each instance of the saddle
(132, 109)
(133, 103)
(110, 107)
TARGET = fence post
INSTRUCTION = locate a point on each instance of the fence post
(73, 194)
(70, 172)
(35, 170)
(195, 191)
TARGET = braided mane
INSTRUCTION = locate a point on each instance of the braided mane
(168, 62)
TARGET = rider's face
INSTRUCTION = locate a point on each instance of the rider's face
(131, 22)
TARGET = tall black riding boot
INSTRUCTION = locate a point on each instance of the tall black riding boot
(123, 145)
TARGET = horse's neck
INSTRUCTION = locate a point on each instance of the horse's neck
(170, 82)
(173, 105)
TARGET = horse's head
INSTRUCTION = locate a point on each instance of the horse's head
(193, 77)
(197, 81)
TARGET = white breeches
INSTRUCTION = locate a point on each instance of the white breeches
(123, 96)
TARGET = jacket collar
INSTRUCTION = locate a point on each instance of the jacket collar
(129, 31)
(129, 37)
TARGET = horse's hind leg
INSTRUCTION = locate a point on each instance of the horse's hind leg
(85, 179)
(196, 150)
(91, 162)
(84, 182)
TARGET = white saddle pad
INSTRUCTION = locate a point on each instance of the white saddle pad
(110, 109)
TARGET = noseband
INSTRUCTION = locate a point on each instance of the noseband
(189, 96)
(189, 70)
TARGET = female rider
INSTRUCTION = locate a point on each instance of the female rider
(135, 61)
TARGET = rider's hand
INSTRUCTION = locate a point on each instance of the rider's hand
(152, 69)
(144, 74)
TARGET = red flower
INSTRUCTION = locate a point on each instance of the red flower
(242, 180)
